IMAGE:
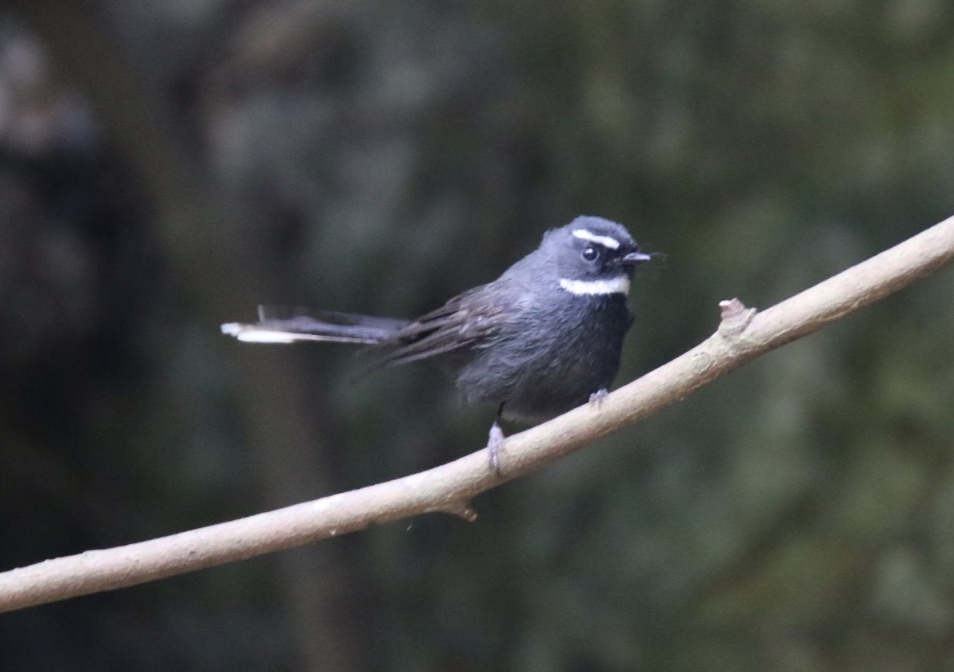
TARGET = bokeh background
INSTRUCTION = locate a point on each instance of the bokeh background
(166, 166)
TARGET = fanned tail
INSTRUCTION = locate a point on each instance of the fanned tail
(277, 324)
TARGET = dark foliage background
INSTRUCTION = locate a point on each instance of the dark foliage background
(164, 167)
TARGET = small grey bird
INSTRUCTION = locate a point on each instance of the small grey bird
(541, 339)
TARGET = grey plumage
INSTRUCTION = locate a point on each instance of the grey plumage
(538, 341)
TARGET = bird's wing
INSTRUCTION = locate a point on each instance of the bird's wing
(464, 321)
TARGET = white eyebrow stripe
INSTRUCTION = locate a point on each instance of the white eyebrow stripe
(618, 285)
(605, 241)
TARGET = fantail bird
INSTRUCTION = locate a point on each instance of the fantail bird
(539, 340)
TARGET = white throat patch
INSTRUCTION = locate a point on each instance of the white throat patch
(605, 241)
(618, 285)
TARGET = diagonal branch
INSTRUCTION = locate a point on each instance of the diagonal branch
(742, 336)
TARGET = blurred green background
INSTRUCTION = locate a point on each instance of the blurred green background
(164, 167)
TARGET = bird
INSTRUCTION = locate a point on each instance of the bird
(543, 338)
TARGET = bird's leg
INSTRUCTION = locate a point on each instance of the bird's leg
(597, 397)
(495, 440)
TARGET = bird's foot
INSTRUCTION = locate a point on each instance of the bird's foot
(597, 397)
(494, 442)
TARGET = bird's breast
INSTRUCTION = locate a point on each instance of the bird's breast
(550, 356)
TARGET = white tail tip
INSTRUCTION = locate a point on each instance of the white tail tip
(250, 333)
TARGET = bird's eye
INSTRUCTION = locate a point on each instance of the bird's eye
(590, 253)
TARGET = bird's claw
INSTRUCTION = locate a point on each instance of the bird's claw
(597, 397)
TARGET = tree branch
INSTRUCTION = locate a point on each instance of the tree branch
(743, 335)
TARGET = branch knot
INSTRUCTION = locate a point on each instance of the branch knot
(735, 318)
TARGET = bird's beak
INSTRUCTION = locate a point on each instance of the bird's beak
(634, 258)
